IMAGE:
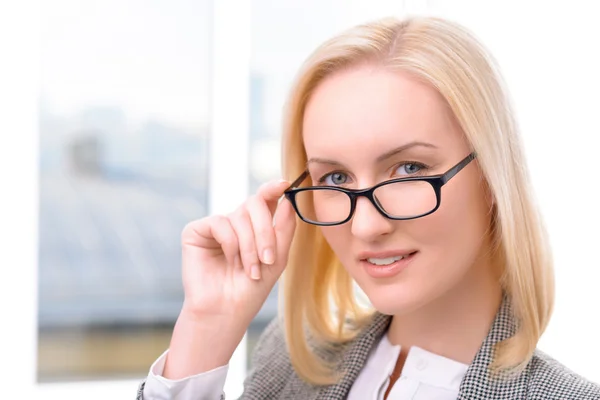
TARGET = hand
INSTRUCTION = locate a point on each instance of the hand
(231, 263)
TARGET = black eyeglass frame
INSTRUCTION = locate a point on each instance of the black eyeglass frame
(436, 181)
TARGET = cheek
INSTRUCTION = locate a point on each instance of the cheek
(455, 233)
(339, 239)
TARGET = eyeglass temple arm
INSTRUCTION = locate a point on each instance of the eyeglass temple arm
(298, 181)
(456, 169)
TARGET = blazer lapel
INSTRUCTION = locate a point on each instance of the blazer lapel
(477, 383)
(354, 357)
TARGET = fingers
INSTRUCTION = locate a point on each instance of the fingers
(271, 192)
(216, 234)
(284, 226)
(223, 232)
(259, 232)
(264, 234)
(254, 227)
(242, 224)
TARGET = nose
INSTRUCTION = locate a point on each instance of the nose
(368, 224)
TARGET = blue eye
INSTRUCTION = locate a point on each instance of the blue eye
(334, 179)
(410, 168)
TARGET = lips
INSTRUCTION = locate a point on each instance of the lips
(386, 264)
(383, 255)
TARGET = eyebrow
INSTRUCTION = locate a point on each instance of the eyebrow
(379, 159)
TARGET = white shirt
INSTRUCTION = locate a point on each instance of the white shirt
(425, 376)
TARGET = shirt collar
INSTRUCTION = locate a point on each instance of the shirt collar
(421, 365)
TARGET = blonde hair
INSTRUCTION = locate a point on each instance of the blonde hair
(449, 58)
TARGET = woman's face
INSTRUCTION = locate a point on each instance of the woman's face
(353, 123)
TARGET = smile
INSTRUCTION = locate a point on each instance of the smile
(384, 261)
(387, 267)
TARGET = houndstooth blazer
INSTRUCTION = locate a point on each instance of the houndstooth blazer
(272, 375)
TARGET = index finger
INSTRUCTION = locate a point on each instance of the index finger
(271, 192)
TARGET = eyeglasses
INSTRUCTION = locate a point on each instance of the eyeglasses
(397, 199)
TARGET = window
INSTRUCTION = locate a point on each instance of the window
(123, 166)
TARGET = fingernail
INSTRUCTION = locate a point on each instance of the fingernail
(255, 272)
(268, 257)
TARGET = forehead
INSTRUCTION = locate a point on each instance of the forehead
(369, 109)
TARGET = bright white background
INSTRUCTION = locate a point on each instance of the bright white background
(549, 54)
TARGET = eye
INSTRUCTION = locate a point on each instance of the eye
(410, 168)
(334, 179)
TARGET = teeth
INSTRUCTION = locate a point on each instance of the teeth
(384, 261)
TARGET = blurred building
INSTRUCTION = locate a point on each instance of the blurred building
(111, 215)
(84, 154)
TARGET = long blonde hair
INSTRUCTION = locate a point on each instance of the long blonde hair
(450, 59)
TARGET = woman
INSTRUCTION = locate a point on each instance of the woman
(412, 186)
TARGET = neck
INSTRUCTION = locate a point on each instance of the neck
(455, 324)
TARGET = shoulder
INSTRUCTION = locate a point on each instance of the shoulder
(270, 366)
(550, 379)
(271, 346)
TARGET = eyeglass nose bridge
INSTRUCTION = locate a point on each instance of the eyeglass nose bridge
(369, 193)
